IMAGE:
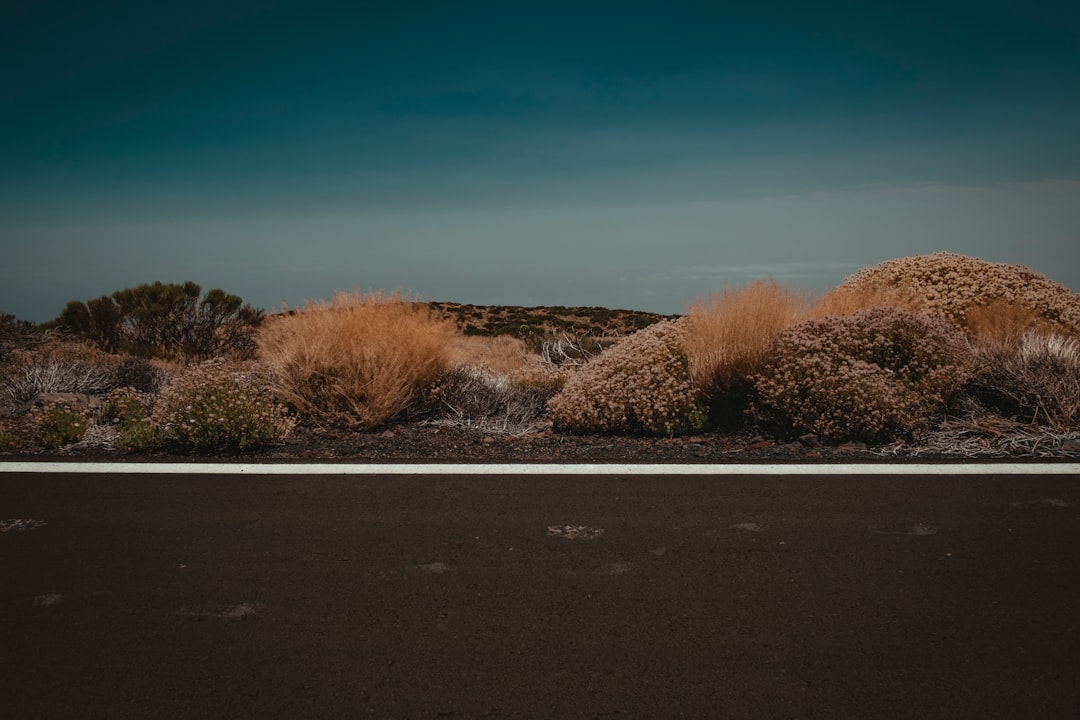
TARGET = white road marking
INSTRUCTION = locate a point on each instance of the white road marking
(202, 468)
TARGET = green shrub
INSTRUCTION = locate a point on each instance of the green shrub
(129, 411)
(9, 441)
(219, 407)
(872, 376)
(641, 385)
(59, 426)
(165, 320)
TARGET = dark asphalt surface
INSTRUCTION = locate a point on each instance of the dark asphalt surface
(466, 597)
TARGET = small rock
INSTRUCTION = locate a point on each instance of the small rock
(387, 434)
(850, 447)
(810, 440)
(1071, 445)
(760, 444)
(488, 440)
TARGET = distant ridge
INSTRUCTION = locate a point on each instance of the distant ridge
(491, 320)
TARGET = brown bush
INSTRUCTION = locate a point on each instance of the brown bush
(640, 385)
(359, 360)
(950, 285)
(872, 376)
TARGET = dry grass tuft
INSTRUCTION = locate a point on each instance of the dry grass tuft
(1036, 380)
(359, 360)
(728, 337)
(1000, 325)
(500, 354)
(55, 367)
(845, 300)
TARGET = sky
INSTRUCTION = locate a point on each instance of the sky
(625, 154)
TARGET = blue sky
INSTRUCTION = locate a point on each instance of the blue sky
(626, 154)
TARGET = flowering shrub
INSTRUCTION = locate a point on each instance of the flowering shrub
(949, 285)
(639, 385)
(59, 425)
(219, 406)
(872, 376)
(1038, 379)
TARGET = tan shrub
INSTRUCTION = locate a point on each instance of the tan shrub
(872, 376)
(1036, 379)
(950, 285)
(728, 337)
(640, 385)
(359, 360)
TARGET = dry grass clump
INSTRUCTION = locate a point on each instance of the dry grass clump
(849, 299)
(477, 399)
(872, 376)
(359, 360)
(640, 385)
(499, 354)
(950, 285)
(1001, 325)
(1036, 379)
(219, 406)
(728, 337)
(58, 367)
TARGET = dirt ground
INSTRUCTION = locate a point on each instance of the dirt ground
(433, 442)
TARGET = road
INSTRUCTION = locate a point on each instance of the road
(197, 596)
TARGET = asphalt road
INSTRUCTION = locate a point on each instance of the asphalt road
(139, 596)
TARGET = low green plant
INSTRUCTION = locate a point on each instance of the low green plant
(873, 376)
(59, 426)
(8, 441)
(641, 385)
(218, 406)
(135, 431)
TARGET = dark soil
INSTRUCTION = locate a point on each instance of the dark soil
(420, 442)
